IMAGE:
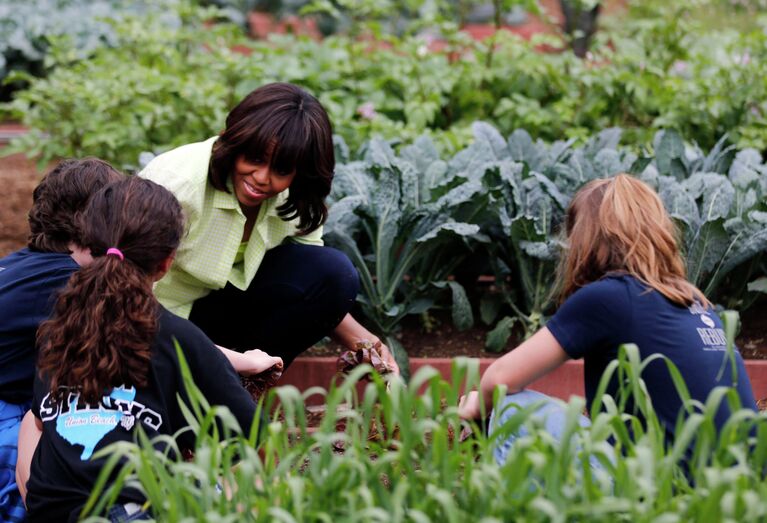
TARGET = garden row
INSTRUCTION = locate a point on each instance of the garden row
(421, 227)
(400, 455)
(166, 80)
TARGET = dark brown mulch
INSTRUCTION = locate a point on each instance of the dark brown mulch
(444, 341)
(752, 340)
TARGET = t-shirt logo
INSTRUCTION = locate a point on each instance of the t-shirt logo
(697, 308)
(713, 338)
(127, 421)
(84, 424)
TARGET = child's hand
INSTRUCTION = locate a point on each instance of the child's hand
(468, 406)
(257, 361)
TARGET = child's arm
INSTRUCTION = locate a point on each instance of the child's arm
(251, 362)
(534, 358)
(29, 435)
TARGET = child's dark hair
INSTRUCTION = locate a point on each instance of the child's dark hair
(62, 194)
(287, 125)
(104, 320)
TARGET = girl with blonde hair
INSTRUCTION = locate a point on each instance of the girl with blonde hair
(621, 280)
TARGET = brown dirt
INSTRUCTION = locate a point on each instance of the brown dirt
(18, 177)
(445, 341)
(752, 340)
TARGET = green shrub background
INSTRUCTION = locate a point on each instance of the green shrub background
(408, 112)
(158, 85)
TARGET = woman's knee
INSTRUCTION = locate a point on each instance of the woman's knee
(323, 276)
(326, 270)
(339, 271)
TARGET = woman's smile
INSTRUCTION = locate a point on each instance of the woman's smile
(252, 191)
(255, 182)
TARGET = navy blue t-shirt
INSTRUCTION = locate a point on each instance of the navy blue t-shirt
(29, 282)
(63, 469)
(596, 319)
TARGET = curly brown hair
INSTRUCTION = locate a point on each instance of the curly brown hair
(105, 319)
(287, 125)
(57, 199)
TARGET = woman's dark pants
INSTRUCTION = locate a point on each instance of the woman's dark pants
(298, 296)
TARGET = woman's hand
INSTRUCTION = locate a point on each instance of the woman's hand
(349, 332)
(515, 370)
(469, 407)
(388, 357)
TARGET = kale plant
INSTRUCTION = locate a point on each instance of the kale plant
(719, 201)
(406, 222)
(533, 183)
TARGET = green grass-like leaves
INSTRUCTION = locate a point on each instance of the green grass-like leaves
(394, 455)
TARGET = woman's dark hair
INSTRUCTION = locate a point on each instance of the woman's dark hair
(287, 125)
(62, 194)
(104, 320)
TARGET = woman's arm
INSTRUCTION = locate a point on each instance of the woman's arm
(534, 358)
(29, 435)
(349, 332)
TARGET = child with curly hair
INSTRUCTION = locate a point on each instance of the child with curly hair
(108, 362)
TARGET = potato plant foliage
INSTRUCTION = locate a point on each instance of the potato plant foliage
(158, 85)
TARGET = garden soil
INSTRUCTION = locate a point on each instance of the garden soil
(18, 177)
(444, 341)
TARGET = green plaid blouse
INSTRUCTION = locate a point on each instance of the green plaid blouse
(205, 260)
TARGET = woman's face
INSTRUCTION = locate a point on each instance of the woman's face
(255, 182)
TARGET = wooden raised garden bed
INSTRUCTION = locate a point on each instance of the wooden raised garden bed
(566, 381)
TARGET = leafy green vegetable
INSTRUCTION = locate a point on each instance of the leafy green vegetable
(758, 285)
(719, 202)
(406, 223)
(532, 185)
(405, 219)
(644, 75)
(27, 29)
